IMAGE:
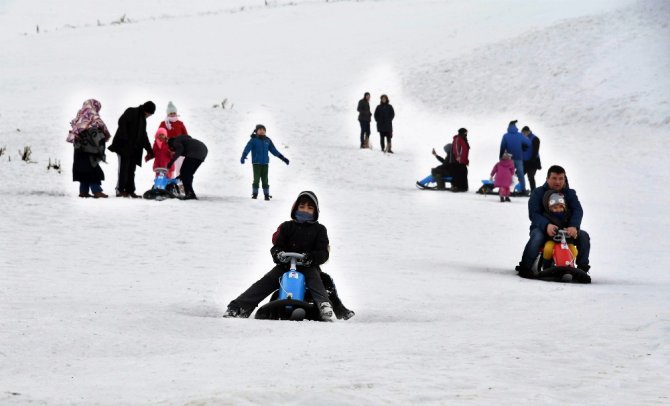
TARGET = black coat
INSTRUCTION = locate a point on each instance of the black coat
(89, 151)
(308, 237)
(384, 115)
(187, 146)
(131, 136)
(364, 113)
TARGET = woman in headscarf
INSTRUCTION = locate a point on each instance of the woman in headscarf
(88, 135)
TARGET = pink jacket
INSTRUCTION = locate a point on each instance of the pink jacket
(503, 172)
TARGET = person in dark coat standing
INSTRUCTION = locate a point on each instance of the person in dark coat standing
(531, 156)
(460, 148)
(194, 153)
(303, 234)
(384, 115)
(129, 140)
(89, 135)
(364, 118)
(541, 228)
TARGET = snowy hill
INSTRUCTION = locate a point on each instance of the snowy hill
(119, 302)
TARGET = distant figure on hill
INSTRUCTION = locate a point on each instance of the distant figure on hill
(515, 143)
(384, 115)
(531, 156)
(129, 141)
(364, 118)
(89, 135)
(461, 151)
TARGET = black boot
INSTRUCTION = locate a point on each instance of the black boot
(341, 312)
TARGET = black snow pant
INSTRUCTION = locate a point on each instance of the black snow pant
(126, 181)
(263, 287)
(385, 136)
(530, 170)
(188, 168)
(365, 131)
(439, 172)
(333, 297)
(460, 176)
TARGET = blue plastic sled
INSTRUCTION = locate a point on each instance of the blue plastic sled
(428, 183)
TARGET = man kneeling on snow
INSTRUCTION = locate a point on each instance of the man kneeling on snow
(541, 228)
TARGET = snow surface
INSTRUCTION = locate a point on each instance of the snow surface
(119, 302)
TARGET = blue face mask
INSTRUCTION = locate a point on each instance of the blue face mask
(301, 216)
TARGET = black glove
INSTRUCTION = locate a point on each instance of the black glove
(285, 160)
(278, 257)
(307, 259)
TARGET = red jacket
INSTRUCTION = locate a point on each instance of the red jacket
(178, 128)
(460, 148)
(162, 156)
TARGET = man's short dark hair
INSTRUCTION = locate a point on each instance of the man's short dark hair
(366, 94)
(555, 169)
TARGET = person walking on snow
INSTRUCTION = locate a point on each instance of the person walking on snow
(384, 115)
(503, 172)
(129, 141)
(260, 145)
(364, 118)
(515, 143)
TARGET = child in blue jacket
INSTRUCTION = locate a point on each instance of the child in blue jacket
(260, 145)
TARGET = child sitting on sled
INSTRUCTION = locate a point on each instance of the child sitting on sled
(503, 172)
(557, 212)
(303, 234)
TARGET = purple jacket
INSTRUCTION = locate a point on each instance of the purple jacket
(503, 172)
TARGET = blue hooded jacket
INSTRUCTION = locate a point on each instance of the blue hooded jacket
(513, 142)
(536, 208)
(259, 147)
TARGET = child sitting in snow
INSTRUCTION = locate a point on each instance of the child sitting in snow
(503, 172)
(302, 234)
(162, 153)
(557, 212)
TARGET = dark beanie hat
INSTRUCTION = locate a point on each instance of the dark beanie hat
(462, 131)
(149, 107)
(259, 126)
(525, 128)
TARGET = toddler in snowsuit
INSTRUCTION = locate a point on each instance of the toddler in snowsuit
(302, 234)
(162, 153)
(260, 145)
(557, 212)
(503, 172)
(194, 153)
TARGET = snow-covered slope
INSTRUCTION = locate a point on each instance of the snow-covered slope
(119, 302)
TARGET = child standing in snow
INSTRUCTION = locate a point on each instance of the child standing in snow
(162, 153)
(260, 145)
(503, 172)
(557, 212)
(174, 128)
(303, 234)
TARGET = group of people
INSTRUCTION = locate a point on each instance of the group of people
(384, 115)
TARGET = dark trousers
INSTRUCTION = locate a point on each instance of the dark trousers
(530, 170)
(186, 173)
(263, 287)
(439, 172)
(365, 130)
(126, 181)
(385, 136)
(539, 237)
(460, 176)
(333, 297)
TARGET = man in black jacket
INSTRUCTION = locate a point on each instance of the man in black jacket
(531, 157)
(302, 234)
(129, 140)
(384, 115)
(195, 153)
(364, 118)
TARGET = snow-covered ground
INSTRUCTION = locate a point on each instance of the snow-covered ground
(119, 302)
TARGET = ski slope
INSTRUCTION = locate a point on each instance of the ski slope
(119, 302)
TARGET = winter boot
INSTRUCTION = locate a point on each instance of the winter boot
(98, 195)
(254, 192)
(366, 144)
(388, 147)
(502, 199)
(326, 311)
(507, 199)
(236, 312)
(266, 192)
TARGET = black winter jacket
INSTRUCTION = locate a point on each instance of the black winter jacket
(384, 115)
(187, 146)
(131, 136)
(309, 238)
(364, 113)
